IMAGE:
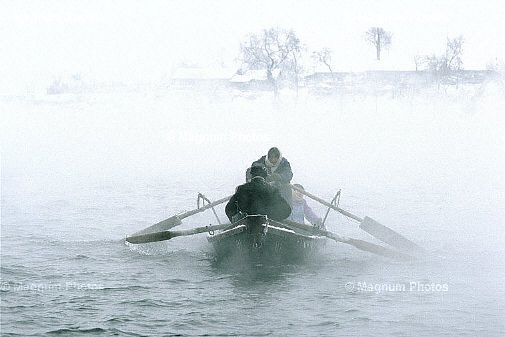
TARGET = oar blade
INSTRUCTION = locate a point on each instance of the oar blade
(161, 226)
(376, 249)
(389, 236)
(150, 237)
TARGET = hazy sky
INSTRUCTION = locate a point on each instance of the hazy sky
(142, 39)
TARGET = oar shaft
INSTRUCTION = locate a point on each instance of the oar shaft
(175, 220)
(327, 204)
(199, 230)
(203, 208)
(360, 244)
(372, 227)
(167, 235)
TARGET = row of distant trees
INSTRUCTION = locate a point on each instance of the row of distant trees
(279, 51)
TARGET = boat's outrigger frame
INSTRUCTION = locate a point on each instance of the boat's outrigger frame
(160, 231)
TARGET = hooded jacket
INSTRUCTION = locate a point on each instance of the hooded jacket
(283, 170)
(282, 167)
(258, 197)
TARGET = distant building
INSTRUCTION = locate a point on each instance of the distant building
(254, 78)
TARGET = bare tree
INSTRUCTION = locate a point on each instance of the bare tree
(496, 65)
(292, 68)
(453, 53)
(451, 61)
(419, 61)
(275, 49)
(323, 56)
(379, 38)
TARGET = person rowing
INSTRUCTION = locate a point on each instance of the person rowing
(257, 197)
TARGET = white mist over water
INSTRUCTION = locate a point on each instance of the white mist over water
(79, 172)
(436, 157)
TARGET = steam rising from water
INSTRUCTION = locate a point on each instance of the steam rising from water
(432, 159)
(80, 172)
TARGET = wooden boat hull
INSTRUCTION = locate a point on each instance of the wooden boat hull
(258, 240)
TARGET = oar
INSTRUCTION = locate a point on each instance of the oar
(167, 235)
(360, 244)
(372, 227)
(176, 219)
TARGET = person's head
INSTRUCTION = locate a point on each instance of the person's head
(258, 170)
(273, 155)
(297, 195)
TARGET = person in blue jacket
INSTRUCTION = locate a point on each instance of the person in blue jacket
(300, 210)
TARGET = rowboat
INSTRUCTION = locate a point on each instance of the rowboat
(255, 237)
(259, 239)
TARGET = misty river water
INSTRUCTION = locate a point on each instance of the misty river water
(82, 171)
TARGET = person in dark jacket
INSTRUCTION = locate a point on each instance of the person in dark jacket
(257, 197)
(279, 172)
